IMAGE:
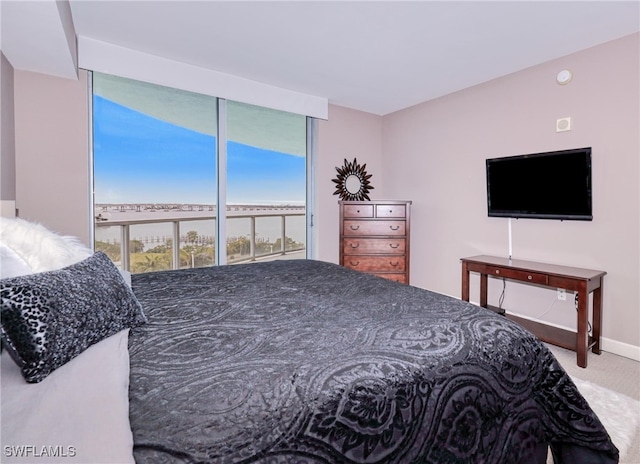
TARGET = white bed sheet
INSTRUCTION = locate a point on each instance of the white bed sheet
(80, 412)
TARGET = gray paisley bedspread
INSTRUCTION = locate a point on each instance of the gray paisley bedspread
(310, 362)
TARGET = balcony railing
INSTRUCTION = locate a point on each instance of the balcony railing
(253, 253)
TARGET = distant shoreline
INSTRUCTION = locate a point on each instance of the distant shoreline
(116, 212)
(153, 219)
(190, 206)
(184, 206)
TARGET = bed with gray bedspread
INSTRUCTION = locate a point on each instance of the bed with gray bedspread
(306, 361)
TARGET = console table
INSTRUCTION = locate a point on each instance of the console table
(582, 281)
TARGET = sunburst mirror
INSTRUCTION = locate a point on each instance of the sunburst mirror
(352, 182)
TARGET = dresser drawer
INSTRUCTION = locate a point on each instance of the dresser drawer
(358, 211)
(374, 246)
(391, 211)
(400, 277)
(375, 263)
(360, 228)
(517, 274)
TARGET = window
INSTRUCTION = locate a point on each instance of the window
(266, 182)
(164, 198)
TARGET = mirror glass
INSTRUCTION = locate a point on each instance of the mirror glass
(352, 184)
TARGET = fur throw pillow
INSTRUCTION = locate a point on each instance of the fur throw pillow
(11, 264)
(42, 249)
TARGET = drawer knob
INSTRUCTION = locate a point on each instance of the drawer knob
(394, 227)
(394, 245)
(497, 271)
(354, 227)
(355, 264)
(529, 277)
(354, 245)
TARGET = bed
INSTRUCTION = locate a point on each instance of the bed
(290, 361)
(307, 361)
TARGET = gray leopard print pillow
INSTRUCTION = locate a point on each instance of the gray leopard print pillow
(51, 317)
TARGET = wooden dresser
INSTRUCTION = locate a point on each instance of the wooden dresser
(374, 237)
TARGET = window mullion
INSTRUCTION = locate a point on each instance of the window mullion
(221, 197)
(312, 125)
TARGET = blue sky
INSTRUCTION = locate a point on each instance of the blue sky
(138, 158)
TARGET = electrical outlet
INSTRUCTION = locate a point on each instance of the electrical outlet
(562, 294)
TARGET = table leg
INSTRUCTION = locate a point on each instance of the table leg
(483, 290)
(465, 282)
(597, 317)
(582, 337)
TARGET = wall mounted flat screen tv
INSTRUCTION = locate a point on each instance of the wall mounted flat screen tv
(550, 185)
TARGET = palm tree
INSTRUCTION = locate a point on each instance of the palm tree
(152, 263)
(192, 236)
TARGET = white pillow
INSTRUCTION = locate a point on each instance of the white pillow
(11, 264)
(42, 249)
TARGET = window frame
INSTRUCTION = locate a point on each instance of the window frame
(221, 181)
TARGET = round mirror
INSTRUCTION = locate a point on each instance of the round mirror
(352, 182)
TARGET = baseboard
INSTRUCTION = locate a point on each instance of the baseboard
(606, 344)
(620, 348)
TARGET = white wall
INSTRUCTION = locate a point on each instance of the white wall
(52, 146)
(7, 135)
(434, 154)
(348, 134)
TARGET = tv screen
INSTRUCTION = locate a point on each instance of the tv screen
(550, 185)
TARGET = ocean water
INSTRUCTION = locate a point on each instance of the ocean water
(153, 224)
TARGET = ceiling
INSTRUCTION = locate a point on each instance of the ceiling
(374, 56)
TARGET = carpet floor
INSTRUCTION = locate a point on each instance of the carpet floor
(611, 386)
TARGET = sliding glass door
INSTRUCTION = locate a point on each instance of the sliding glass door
(265, 183)
(162, 190)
